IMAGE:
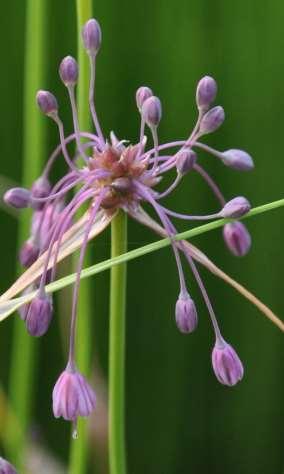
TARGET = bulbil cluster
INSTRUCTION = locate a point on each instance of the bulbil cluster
(110, 174)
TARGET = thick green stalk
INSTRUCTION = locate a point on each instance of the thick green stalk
(79, 447)
(117, 454)
(23, 359)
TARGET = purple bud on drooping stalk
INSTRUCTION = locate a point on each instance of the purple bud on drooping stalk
(28, 253)
(39, 315)
(212, 120)
(6, 467)
(23, 310)
(92, 36)
(72, 396)
(17, 197)
(68, 71)
(236, 207)
(40, 189)
(206, 92)
(142, 94)
(238, 160)
(237, 238)
(47, 102)
(152, 111)
(186, 314)
(227, 366)
(186, 159)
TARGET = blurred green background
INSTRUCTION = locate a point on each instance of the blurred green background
(179, 419)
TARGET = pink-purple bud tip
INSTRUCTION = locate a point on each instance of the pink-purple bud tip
(39, 315)
(186, 314)
(152, 111)
(68, 71)
(17, 197)
(142, 94)
(237, 238)
(6, 467)
(92, 36)
(237, 207)
(206, 92)
(212, 120)
(28, 253)
(238, 160)
(186, 159)
(226, 364)
(47, 102)
(72, 396)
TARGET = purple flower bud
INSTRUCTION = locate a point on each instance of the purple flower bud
(206, 92)
(68, 71)
(47, 102)
(6, 467)
(72, 396)
(23, 310)
(39, 315)
(212, 120)
(40, 189)
(123, 184)
(152, 111)
(142, 94)
(186, 159)
(226, 364)
(237, 207)
(237, 238)
(28, 253)
(186, 314)
(238, 160)
(17, 197)
(92, 36)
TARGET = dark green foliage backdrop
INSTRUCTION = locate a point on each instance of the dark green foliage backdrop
(179, 420)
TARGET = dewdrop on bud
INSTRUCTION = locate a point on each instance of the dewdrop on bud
(186, 159)
(186, 314)
(152, 111)
(206, 92)
(226, 364)
(92, 36)
(6, 467)
(238, 160)
(142, 94)
(47, 102)
(237, 238)
(237, 207)
(68, 71)
(28, 253)
(39, 315)
(17, 197)
(212, 120)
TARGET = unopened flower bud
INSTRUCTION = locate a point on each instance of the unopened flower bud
(122, 184)
(212, 120)
(47, 102)
(226, 364)
(142, 94)
(40, 189)
(68, 71)
(39, 315)
(186, 159)
(186, 314)
(238, 160)
(92, 36)
(6, 467)
(17, 197)
(237, 238)
(152, 111)
(28, 253)
(23, 310)
(237, 207)
(206, 92)
(72, 396)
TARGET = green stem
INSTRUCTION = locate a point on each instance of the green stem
(117, 453)
(79, 447)
(23, 367)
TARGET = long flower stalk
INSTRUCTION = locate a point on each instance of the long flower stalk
(79, 447)
(23, 368)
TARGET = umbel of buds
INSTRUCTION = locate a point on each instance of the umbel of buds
(237, 238)
(6, 467)
(226, 364)
(186, 314)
